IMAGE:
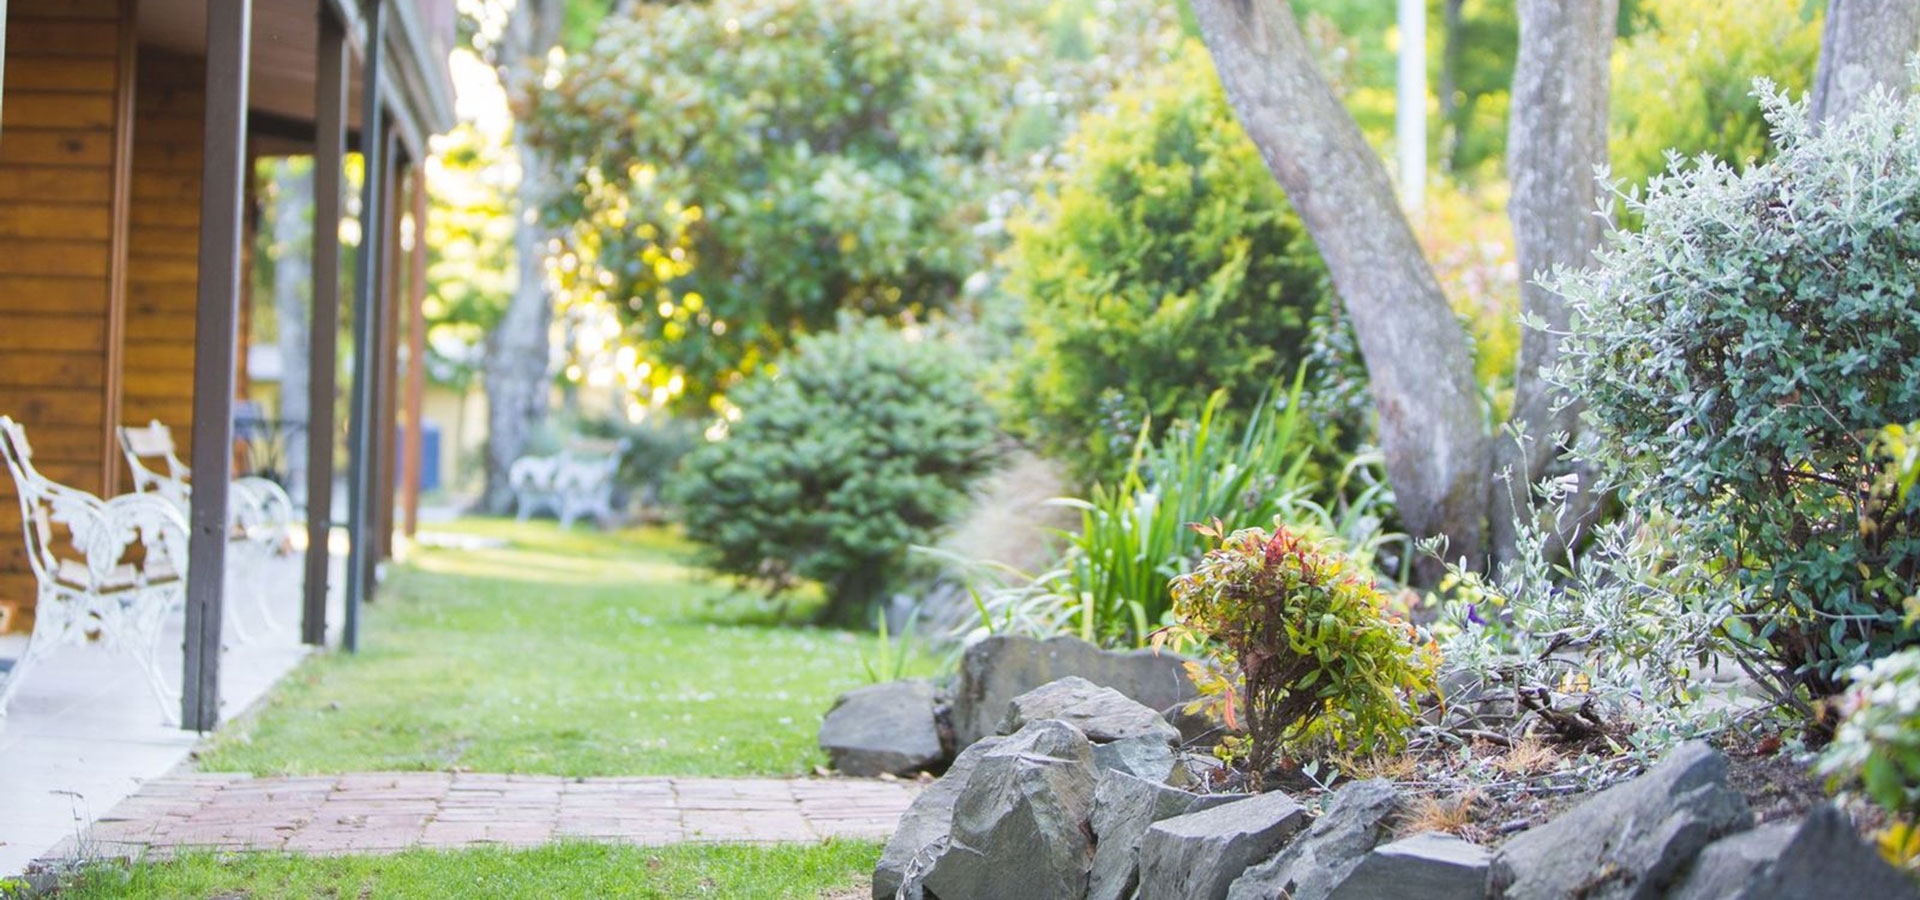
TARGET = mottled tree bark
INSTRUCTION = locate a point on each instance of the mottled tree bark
(1432, 427)
(293, 309)
(519, 347)
(1864, 43)
(1556, 136)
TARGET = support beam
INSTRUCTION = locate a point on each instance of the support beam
(386, 406)
(329, 157)
(412, 447)
(223, 173)
(3, 52)
(361, 422)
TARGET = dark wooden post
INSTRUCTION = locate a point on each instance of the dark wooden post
(366, 290)
(223, 170)
(385, 407)
(329, 156)
(416, 359)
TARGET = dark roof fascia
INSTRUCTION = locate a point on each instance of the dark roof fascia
(415, 87)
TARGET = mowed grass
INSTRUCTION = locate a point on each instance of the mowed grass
(567, 653)
(558, 871)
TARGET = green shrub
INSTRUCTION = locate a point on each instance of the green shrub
(1165, 264)
(1300, 640)
(862, 445)
(1736, 357)
(1110, 583)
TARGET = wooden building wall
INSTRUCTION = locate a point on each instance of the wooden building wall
(163, 274)
(63, 153)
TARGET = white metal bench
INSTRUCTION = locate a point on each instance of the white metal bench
(111, 571)
(570, 484)
(261, 519)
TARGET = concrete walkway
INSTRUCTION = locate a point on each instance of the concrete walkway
(387, 812)
(84, 732)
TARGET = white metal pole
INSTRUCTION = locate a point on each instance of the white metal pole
(1410, 105)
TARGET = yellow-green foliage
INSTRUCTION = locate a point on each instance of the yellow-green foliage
(1684, 80)
(1165, 264)
(1299, 641)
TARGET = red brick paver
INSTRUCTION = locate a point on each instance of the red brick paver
(387, 812)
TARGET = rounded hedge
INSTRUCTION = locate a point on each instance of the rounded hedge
(861, 445)
(1164, 264)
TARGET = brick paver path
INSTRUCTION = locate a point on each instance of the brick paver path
(385, 812)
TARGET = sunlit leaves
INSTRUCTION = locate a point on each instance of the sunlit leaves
(781, 161)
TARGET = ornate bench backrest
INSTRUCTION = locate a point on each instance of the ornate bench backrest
(36, 516)
(146, 448)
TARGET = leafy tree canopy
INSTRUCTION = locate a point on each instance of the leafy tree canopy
(741, 172)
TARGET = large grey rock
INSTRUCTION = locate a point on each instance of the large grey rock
(1020, 827)
(1101, 713)
(1630, 841)
(1002, 667)
(1426, 866)
(923, 829)
(1817, 857)
(1319, 860)
(884, 729)
(1198, 855)
(1146, 757)
(1124, 807)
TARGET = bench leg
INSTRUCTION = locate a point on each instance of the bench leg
(52, 620)
(164, 600)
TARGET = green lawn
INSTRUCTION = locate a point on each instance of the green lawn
(557, 871)
(568, 653)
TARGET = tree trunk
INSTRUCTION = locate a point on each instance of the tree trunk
(1864, 43)
(292, 305)
(518, 349)
(1556, 136)
(1451, 122)
(1432, 427)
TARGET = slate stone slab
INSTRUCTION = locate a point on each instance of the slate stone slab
(924, 827)
(1426, 866)
(1199, 855)
(1314, 864)
(884, 729)
(1101, 713)
(1146, 757)
(1124, 807)
(1002, 667)
(1818, 857)
(1021, 827)
(1632, 840)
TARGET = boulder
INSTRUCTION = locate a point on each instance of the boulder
(1322, 858)
(1102, 714)
(1146, 757)
(1630, 841)
(1198, 855)
(1816, 857)
(1020, 826)
(1124, 807)
(922, 831)
(1426, 866)
(884, 729)
(1002, 667)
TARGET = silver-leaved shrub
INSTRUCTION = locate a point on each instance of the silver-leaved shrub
(1737, 356)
